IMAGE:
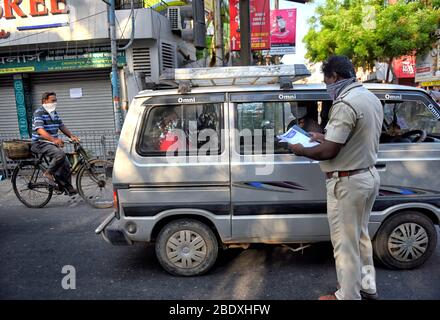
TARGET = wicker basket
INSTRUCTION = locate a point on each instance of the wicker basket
(18, 149)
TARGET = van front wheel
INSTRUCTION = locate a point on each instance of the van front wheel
(186, 247)
(405, 241)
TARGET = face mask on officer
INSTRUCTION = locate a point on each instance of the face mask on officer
(335, 88)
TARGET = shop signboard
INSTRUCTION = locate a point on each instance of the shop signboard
(32, 14)
(59, 60)
(404, 67)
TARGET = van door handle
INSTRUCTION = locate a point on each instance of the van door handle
(381, 166)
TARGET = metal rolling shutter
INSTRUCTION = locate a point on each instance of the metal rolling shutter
(92, 112)
(8, 110)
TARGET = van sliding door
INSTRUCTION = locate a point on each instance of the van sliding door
(276, 196)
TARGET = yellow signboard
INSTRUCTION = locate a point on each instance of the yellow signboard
(430, 83)
(160, 5)
(17, 70)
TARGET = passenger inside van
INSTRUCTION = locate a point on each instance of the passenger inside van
(308, 121)
(168, 123)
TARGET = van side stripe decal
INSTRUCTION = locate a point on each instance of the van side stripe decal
(269, 208)
(275, 186)
(143, 210)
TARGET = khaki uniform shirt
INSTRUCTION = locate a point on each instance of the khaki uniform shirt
(355, 120)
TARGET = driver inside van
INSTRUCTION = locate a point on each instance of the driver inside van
(308, 121)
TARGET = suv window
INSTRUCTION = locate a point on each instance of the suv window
(256, 118)
(187, 129)
(402, 118)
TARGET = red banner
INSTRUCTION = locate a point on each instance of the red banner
(260, 24)
(405, 67)
(283, 28)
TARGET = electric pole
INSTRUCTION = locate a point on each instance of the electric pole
(114, 75)
(245, 33)
(219, 56)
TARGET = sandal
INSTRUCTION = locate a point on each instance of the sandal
(48, 178)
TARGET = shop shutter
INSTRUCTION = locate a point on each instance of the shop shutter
(8, 110)
(92, 112)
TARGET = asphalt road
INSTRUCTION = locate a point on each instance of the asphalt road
(37, 243)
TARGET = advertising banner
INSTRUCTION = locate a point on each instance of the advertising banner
(428, 65)
(260, 24)
(283, 28)
(404, 67)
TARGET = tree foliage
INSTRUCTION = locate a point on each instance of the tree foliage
(368, 31)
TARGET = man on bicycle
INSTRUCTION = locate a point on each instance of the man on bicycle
(45, 125)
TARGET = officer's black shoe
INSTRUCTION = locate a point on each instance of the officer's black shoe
(369, 296)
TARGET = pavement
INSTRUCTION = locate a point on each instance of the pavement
(36, 244)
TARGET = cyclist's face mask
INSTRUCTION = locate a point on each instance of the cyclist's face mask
(51, 104)
(50, 107)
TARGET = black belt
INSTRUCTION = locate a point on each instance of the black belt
(346, 173)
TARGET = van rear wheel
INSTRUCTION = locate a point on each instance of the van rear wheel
(186, 247)
(405, 241)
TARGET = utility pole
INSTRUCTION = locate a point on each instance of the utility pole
(219, 56)
(277, 58)
(245, 33)
(114, 74)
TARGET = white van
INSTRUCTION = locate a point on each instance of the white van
(236, 184)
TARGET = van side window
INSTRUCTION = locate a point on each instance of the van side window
(257, 118)
(409, 121)
(183, 129)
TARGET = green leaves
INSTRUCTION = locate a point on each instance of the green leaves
(368, 31)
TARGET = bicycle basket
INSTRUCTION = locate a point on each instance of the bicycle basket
(18, 149)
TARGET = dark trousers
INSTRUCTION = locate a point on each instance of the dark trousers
(59, 166)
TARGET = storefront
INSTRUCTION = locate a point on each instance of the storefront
(79, 76)
(64, 46)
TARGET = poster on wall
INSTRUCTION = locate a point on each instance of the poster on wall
(283, 31)
(260, 24)
(428, 65)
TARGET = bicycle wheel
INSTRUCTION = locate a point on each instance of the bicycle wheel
(94, 183)
(29, 185)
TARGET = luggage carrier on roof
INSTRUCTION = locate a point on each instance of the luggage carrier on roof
(186, 78)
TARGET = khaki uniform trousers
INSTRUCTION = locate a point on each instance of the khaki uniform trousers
(349, 204)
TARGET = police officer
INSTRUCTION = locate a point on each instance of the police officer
(347, 153)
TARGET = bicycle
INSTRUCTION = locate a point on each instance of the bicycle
(92, 176)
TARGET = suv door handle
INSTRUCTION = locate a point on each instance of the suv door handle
(381, 166)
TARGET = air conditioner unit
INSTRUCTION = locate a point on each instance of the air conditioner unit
(173, 14)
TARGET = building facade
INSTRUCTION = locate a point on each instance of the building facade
(64, 46)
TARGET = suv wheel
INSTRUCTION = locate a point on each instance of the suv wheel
(186, 247)
(405, 241)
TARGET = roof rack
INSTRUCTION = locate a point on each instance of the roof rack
(228, 76)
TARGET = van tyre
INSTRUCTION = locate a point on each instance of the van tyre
(405, 241)
(186, 247)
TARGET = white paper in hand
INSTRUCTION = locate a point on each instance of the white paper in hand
(297, 135)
